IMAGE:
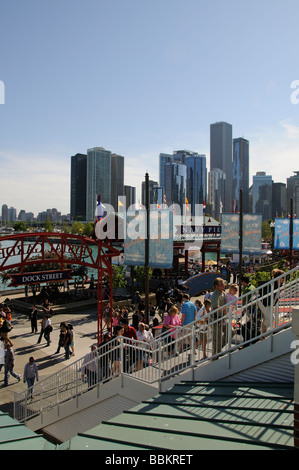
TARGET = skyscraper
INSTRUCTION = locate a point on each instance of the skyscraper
(78, 186)
(262, 194)
(217, 186)
(117, 179)
(293, 192)
(105, 176)
(175, 183)
(241, 173)
(279, 200)
(196, 180)
(130, 193)
(196, 176)
(221, 151)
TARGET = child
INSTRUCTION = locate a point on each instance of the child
(232, 293)
(205, 310)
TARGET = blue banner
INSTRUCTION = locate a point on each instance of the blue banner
(160, 242)
(282, 234)
(252, 233)
(230, 233)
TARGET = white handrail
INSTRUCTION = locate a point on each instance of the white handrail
(253, 316)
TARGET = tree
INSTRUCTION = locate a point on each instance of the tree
(77, 228)
(87, 228)
(48, 225)
(139, 275)
(20, 226)
(266, 231)
(118, 277)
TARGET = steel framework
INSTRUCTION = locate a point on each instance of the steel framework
(28, 249)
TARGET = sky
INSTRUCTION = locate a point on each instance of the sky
(140, 78)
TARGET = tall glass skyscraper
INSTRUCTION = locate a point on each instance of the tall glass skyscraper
(196, 177)
(262, 194)
(221, 156)
(196, 180)
(105, 176)
(78, 186)
(176, 183)
(293, 192)
(241, 173)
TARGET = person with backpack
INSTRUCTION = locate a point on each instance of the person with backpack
(5, 328)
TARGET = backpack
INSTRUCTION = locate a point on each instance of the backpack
(6, 326)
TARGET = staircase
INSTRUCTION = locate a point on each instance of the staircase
(200, 416)
(66, 403)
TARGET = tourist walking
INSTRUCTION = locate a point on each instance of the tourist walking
(90, 367)
(30, 375)
(251, 316)
(202, 317)
(171, 324)
(188, 311)
(5, 328)
(33, 319)
(219, 320)
(72, 339)
(9, 363)
(48, 330)
(42, 328)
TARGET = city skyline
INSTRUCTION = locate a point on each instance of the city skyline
(214, 201)
(77, 75)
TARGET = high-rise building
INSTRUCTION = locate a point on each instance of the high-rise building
(152, 184)
(117, 179)
(163, 159)
(196, 176)
(293, 192)
(240, 173)
(196, 180)
(217, 186)
(105, 176)
(175, 183)
(279, 200)
(130, 193)
(262, 195)
(78, 186)
(221, 151)
(4, 213)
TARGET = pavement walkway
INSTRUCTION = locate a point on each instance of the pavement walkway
(25, 345)
(84, 321)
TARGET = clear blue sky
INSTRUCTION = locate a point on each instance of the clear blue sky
(140, 77)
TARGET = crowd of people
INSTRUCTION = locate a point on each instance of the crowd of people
(172, 312)
(175, 311)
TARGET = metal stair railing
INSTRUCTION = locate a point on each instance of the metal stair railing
(252, 317)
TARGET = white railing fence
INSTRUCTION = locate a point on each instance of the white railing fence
(255, 315)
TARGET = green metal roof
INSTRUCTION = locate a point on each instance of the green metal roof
(16, 436)
(198, 416)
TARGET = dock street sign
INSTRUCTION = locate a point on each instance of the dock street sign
(40, 277)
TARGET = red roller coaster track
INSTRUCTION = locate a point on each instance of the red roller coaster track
(28, 249)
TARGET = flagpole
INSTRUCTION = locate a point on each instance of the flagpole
(147, 241)
(240, 238)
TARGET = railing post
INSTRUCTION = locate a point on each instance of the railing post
(229, 326)
(295, 330)
(159, 359)
(192, 345)
(122, 365)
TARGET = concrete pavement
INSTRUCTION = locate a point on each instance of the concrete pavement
(84, 321)
(25, 345)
